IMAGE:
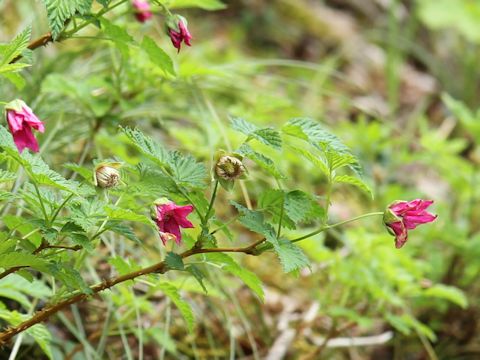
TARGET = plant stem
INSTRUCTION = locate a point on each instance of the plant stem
(326, 227)
(60, 208)
(160, 267)
(42, 205)
(212, 200)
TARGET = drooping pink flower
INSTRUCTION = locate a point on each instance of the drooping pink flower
(170, 217)
(142, 10)
(178, 31)
(402, 216)
(21, 120)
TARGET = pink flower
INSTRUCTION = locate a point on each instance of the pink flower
(178, 32)
(142, 10)
(21, 120)
(402, 216)
(170, 217)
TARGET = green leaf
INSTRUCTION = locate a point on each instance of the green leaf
(84, 172)
(449, 293)
(187, 171)
(249, 278)
(291, 256)
(152, 149)
(301, 207)
(311, 131)
(172, 292)
(254, 221)
(116, 213)
(261, 160)
(347, 179)
(40, 172)
(14, 259)
(267, 136)
(118, 35)
(174, 261)
(16, 79)
(15, 48)
(18, 289)
(59, 11)
(123, 230)
(183, 169)
(335, 152)
(157, 56)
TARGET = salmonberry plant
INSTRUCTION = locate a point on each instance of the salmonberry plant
(183, 212)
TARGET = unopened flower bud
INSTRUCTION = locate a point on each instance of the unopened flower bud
(106, 174)
(229, 168)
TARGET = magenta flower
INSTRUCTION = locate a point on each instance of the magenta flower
(21, 120)
(142, 10)
(170, 217)
(402, 216)
(178, 32)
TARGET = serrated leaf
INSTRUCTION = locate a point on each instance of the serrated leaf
(13, 49)
(254, 220)
(347, 179)
(41, 173)
(336, 153)
(172, 292)
(187, 171)
(84, 172)
(82, 240)
(116, 213)
(174, 261)
(17, 258)
(184, 169)
(301, 207)
(58, 11)
(123, 230)
(267, 136)
(291, 256)
(157, 56)
(261, 160)
(152, 149)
